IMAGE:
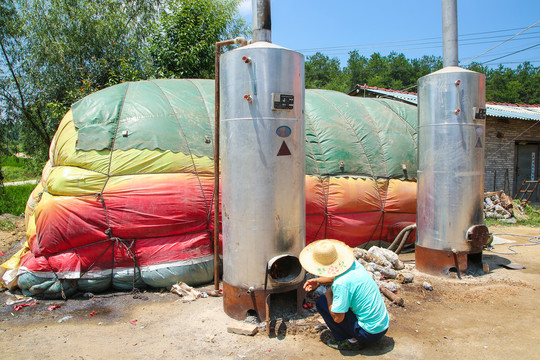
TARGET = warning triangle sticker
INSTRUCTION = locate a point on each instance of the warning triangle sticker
(479, 143)
(284, 150)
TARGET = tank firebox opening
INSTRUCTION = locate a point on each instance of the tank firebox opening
(284, 269)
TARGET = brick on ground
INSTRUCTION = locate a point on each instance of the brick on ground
(242, 328)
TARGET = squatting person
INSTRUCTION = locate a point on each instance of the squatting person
(352, 307)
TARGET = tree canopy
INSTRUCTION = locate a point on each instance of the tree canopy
(395, 71)
(57, 51)
(182, 44)
(54, 52)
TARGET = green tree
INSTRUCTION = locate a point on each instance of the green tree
(323, 72)
(15, 94)
(528, 77)
(356, 69)
(506, 85)
(426, 65)
(378, 69)
(393, 71)
(57, 51)
(183, 41)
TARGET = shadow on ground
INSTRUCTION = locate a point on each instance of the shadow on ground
(384, 346)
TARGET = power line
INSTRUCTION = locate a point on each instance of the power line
(412, 47)
(387, 43)
(491, 32)
(477, 56)
(509, 48)
(515, 52)
(392, 44)
(418, 44)
(521, 62)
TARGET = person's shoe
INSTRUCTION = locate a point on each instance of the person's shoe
(343, 344)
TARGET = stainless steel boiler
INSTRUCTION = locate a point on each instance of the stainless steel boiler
(262, 157)
(451, 142)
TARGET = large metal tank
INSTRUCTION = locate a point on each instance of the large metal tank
(263, 201)
(451, 142)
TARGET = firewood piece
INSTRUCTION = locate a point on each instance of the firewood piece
(405, 277)
(386, 272)
(391, 296)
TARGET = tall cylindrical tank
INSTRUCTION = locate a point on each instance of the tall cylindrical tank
(451, 142)
(263, 201)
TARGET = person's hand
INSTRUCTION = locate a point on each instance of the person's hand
(311, 284)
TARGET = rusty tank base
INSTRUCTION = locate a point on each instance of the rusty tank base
(238, 301)
(442, 262)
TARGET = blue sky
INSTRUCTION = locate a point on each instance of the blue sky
(412, 27)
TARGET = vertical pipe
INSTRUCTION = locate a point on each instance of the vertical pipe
(450, 33)
(262, 23)
(216, 159)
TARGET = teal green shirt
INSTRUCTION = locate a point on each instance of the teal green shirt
(356, 290)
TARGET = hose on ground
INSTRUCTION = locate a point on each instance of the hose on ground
(400, 240)
(534, 240)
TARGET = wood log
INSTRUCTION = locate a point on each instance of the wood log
(391, 296)
(488, 194)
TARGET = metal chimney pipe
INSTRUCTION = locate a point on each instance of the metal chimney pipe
(262, 23)
(450, 33)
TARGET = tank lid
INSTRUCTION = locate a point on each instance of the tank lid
(450, 70)
(263, 44)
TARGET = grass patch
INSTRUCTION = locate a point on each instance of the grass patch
(13, 201)
(13, 161)
(15, 174)
(533, 214)
(18, 169)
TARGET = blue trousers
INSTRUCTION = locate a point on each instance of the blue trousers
(348, 328)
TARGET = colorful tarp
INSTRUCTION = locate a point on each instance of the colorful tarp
(126, 197)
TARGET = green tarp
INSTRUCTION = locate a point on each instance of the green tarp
(344, 135)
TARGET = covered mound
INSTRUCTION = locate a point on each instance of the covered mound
(126, 197)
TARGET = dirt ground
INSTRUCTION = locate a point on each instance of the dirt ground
(11, 238)
(493, 316)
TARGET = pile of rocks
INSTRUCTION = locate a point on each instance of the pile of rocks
(385, 267)
(498, 205)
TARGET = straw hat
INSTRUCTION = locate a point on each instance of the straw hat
(327, 258)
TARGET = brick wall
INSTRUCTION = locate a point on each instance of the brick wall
(500, 152)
